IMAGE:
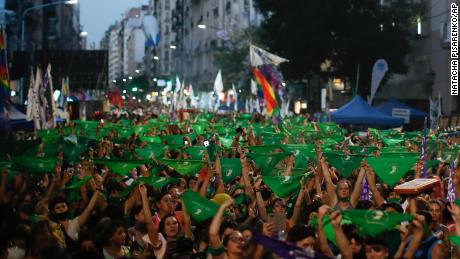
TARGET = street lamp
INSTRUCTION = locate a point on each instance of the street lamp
(173, 47)
(83, 34)
(37, 7)
(204, 26)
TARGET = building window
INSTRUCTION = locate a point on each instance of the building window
(228, 7)
(216, 12)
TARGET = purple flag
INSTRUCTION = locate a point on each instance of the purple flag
(285, 250)
(423, 155)
(450, 186)
(365, 192)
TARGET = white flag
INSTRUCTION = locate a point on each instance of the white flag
(378, 72)
(261, 57)
(235, 94)
(286, 112)
(218, 83)
(218, 88)
(53, 102)
(193, 101)
(228, 99)
(30, 98)
(35, 102)
(253, 87)
(178, 85)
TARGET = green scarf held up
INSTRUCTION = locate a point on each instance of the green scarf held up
(198, 207)
(345, 164)
(266, 162)
(391, 169)
(231, 168)
(184, 167)
(283, 186)
(375, 222)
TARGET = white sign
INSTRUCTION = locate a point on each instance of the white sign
(401, 113)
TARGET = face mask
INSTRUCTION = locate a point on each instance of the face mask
(393, 200)
(309, 251)
(16, 253)
(62, 216)
(88, 254)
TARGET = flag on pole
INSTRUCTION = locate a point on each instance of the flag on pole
(378, 72)
(228, 99)
(64, 93)
(450, 186)
(435, 112)
(51, 94)
(193, 101)
(269, 94)
(4, 77)
(218, 88)
(423, 154)
(253, 87)
(34, 102)
(30, 97)
(235, 94)
(260, 57)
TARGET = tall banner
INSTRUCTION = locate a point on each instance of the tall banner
(235, 95)
(378, 72)
(4, 77)
(423, 154)
(218, 88)
(435, 112)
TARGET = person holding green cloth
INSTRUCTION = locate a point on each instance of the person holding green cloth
(339, 195)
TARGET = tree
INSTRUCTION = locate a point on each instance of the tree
(346, 33)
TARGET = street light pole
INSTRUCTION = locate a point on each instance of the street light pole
(26, 12)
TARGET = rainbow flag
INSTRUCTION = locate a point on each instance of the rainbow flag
(4, 78)
(269, 94)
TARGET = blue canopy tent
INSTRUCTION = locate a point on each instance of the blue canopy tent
(16, 120)
(358, 112)
(388, 106)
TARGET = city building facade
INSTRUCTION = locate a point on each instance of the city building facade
(187, 49)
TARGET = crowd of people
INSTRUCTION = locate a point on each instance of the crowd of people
(139, 185)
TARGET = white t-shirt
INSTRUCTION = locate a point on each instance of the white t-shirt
(73, 229)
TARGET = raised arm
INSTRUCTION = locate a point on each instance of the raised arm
(298, 204)
(322, 239)
(84, 216)
(214, 239)
(342, 241)
(354, 198)
(417, 237)
(152, 230)
(187, 223)
(245, 176)
(330, 187)
(220, 184)
(260, 201)
(289, 165)
(378, 198)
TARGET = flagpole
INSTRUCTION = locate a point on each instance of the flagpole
(357, 82)
(424, 149)
(53, 106)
